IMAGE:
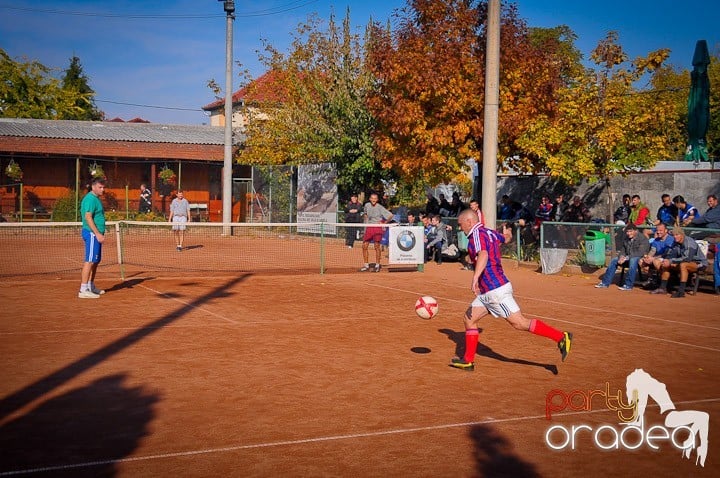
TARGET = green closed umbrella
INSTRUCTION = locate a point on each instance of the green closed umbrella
(698, 105)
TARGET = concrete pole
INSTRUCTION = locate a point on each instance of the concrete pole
(227, 159)
(490, 128)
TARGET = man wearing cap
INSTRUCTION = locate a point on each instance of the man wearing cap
(633, 248)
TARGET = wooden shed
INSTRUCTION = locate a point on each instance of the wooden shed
(56, 157)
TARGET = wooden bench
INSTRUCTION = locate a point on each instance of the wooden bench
(33, 216)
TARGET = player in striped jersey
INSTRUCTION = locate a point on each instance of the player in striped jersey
(494, 292)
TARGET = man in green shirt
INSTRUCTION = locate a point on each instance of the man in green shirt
(93, 234)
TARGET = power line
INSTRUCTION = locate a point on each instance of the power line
(148, 106)
(293, 5)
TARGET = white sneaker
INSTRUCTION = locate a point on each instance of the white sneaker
(88, 294)
(97, 291)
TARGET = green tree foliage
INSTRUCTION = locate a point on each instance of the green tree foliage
(75, 80)
(29, 90)
(674, 84)
(320, 115)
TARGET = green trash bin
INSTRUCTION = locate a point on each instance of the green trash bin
(595, 247)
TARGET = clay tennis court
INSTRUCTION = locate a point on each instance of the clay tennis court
(255, 374)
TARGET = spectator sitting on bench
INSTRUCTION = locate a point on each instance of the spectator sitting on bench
(683, 258)
(634, 247)
(658, 245)
(711, 218)
(439, 240)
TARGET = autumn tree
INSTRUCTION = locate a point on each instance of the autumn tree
(29, 90)
(603, 125)
(321, 116)
(75, 80)
(429, 99)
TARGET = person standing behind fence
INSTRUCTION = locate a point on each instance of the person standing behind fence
(374, 213)
(93, 234)
(475, 206)
(179, 213)
(353, 215)
(145, 199)
(559, 208)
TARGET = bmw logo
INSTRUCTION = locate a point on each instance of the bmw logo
(406, 241)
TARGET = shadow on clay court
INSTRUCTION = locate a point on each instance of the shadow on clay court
(74, 433)
(485, 351)
(128, 284)
(46, 384)
(494, 455)
(196, 246)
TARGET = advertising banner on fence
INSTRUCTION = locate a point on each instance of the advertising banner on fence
(317, 198)
(407, 245)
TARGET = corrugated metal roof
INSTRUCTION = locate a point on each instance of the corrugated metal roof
(111, 131)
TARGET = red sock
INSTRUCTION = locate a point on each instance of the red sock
(472, 336)
(538, 327)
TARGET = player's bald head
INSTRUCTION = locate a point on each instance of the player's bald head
(468, 214)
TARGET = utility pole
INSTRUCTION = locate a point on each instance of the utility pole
(227, 159)
(490, 122)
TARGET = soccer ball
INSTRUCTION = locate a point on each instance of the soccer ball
(426, 307)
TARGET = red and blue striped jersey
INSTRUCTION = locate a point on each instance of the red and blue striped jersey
(483, 239)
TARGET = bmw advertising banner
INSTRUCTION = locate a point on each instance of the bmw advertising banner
(407, 245)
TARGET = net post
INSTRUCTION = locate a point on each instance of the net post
(322, 248)
(21, 201)
(118, 240)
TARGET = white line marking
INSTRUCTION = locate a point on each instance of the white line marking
(189, 304)
(645, 317)
(579, 324)
(599, 309)
(318, 439)
(626, 333)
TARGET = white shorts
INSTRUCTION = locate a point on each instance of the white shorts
(499, 302)
(179, 223)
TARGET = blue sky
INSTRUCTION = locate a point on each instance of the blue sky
(161, 53)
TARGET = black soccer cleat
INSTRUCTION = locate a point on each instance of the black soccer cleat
(565, 344)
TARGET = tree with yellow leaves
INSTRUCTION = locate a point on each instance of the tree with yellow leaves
(603, 125)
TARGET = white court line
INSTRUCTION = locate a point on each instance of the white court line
(599, 309)
(330, 438)
(651, 337)
(579, 324)
(189, 304)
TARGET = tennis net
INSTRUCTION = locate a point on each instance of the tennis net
(132, 247)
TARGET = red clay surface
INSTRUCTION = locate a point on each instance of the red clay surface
(318, 375)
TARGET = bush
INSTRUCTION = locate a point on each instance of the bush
(66, 209)
(134, 216)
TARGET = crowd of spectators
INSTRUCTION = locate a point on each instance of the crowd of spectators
(668, 249)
